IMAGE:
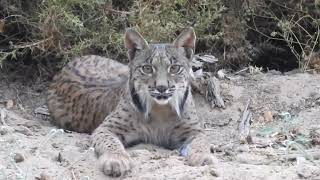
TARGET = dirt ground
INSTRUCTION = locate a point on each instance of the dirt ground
(285, 145)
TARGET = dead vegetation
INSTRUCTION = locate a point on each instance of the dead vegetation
(272, 34)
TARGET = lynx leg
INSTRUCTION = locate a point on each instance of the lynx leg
(109, 146)
(198, 152)
(195, 147)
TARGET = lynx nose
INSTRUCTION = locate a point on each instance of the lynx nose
(162, 89)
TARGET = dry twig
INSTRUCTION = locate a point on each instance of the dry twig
(244, 126)
(213, 94)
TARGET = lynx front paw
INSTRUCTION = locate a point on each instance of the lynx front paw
(115, 165)
(201, 159)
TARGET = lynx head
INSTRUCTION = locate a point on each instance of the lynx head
(160, 73)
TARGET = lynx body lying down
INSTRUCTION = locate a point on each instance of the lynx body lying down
(149, 101)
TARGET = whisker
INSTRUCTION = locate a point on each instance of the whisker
(182, 88)
(140, 91)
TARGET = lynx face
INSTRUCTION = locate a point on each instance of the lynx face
(159, 73)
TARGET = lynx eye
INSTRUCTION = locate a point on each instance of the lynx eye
(147, 69)
(175, 69)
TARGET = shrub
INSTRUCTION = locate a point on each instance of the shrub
(273, 34)
(62, 29)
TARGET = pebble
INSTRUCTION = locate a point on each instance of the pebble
(214, 173)
(3, 130)
(308, 171)
(243, 148)
(268, 116)
(23, 130)
(9, 104)
(43, 177)
(55, 145)
(18, 158)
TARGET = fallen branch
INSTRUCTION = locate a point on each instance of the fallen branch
(209, 86)
(244, 126)
(213, 94)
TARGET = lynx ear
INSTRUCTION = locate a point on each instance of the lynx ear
(186, 39)
(133, 42)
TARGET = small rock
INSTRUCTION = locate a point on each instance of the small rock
(23, 130)
(9, 104)
(55, 145)
(301, 160)
(214, 173)
(6, 129)
(43, 177)
(308, 171)
(315, 136)
(221, 74)
(18, 158)
(156, 157)
(268, 116)
(229, 153)
(243, 148)
(3, 130)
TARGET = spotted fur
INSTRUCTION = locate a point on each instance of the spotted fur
(85, 92)
(149, 102)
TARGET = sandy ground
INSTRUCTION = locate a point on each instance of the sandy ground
(32, 148)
